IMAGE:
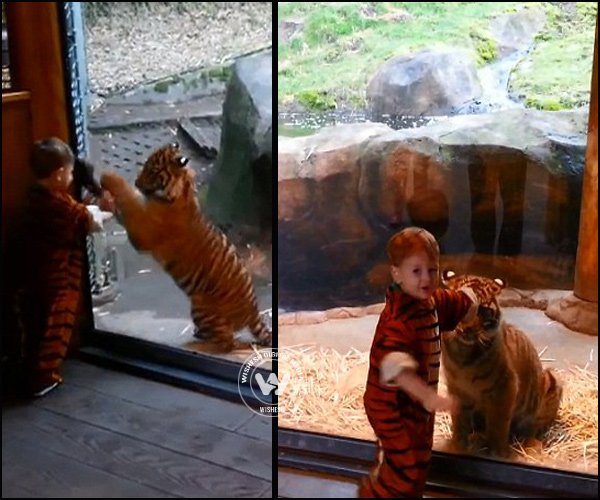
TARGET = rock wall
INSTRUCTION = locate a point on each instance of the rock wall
(501, 193)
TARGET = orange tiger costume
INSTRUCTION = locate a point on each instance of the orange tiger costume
(403, 427)
(55, 226)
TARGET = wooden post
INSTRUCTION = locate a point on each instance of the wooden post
(36, 65)
(579, 310)
(586, 265)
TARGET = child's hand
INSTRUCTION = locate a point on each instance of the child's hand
(472, 312)
(434, 402)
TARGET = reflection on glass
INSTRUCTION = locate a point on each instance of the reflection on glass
(137, 106)
(133, 295)
(502, 195)
(382, 126)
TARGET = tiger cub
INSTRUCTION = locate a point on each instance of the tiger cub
(494, 371)
(164, 219)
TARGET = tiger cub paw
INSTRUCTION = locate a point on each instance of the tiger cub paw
(451, 446)
(264, 342)
(201, 334)
(503, 451)
(533, 446)
(110, 180)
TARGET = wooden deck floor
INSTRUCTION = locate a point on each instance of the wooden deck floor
(105, 434)
(294, 483)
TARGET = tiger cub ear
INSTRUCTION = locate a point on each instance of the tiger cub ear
(183, 161)
(447, 274)
(500, 282)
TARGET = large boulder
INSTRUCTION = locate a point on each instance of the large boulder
(501, 192)
(240, 193)
(430, 83)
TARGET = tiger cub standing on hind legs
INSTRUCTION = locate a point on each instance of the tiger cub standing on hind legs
(164, 219)
(494, 371)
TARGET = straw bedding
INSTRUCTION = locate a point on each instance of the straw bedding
(325, 395)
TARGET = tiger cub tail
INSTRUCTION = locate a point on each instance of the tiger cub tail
(550, 401)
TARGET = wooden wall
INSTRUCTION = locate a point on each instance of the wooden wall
(36, 65)
(16, 144)
(16, 178)
(37, 107)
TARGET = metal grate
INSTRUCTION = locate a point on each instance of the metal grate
(75, 67)
(126, 149)
(6, 85)
(6, 81)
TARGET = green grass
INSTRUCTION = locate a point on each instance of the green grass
(486, 48)
(545, 85)
(342, 45)
(558, 73)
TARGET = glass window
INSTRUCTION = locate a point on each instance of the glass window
(152, 84)
(491, 166)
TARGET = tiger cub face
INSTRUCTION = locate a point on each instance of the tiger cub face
(164, 174)
(493, 370)
(482, 328)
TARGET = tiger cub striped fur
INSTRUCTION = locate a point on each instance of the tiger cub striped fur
(164, 219)
(494, 371)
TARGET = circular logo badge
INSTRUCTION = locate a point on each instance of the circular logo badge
(258, 378)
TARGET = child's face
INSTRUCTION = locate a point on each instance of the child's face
(63, 177)
(417, 275)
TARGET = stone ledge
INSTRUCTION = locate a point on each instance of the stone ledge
(575, 314)
(511, 297)
(532, 299)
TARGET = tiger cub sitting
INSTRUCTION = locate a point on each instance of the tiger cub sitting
(164, 219)
(494, 371)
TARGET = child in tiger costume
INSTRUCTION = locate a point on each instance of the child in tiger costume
(164, 219)
(401, 394)
(52, 239)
